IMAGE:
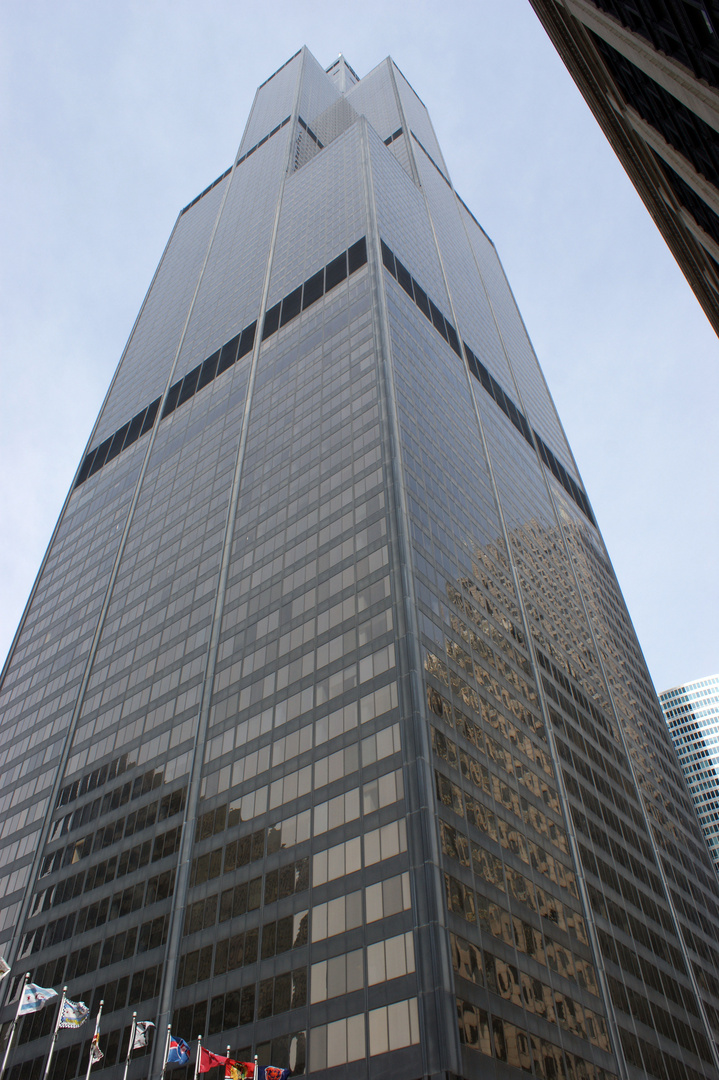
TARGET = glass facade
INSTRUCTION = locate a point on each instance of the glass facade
(326, 735)
(692, 714)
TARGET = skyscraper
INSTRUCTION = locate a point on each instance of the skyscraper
(326, 734)
(692, 713)
(649, 70)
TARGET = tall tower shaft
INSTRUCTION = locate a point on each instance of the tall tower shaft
(325, 733)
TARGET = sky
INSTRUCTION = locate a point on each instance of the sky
(114, 115)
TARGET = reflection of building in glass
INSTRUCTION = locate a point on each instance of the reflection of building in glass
(326, 733)
(692, 713)
(649, 70)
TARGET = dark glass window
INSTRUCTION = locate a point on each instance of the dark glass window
(189, 385)
(228, 355)
(421, 300)
(209, 370)
(100, 456)
(453, 339)
(498, 393)
(86, 466)
(117, 441)
(388, 259)
(291, 306)
(357, 255)
(404, 278)
(247, 340)
(134, 429)
(150, 415)
(336, 271)
(438, 320)
(171, 400)
(314, 288)
(272, 321)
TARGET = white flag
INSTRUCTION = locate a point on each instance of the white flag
(4, 967)
(34, 998)
(142, 1032)
(96, 1053)
(74, 1014)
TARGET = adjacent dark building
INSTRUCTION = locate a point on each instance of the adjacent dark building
(649, 70)
(325, 733)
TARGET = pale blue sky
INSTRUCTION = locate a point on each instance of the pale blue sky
(114, 115)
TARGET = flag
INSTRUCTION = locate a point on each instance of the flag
(239, 1070)
(4, 967)
(142, 1034)
(271, 1072)
(34, 998)
(208, 1060)
(96, 1053)
(178, 1053)
(73, 1014)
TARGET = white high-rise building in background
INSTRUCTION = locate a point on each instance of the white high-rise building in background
(692, 713)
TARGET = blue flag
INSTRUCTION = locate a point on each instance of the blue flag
(179, 1052)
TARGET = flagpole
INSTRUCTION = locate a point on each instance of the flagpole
(54, 1035)
(92, 1040)
(14, 1023)
(129, 1045)
(255, 1072)
(167, 1050)
(199, 1051)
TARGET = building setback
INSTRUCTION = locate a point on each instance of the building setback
(649, 70)
(692, 713)
(326, 734)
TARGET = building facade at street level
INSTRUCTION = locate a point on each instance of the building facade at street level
(326, 734)
(692, 713)
(649, 70)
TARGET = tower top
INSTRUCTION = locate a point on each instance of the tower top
(343, 74)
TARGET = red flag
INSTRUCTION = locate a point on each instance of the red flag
(239, 1070)
(208, 1060)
